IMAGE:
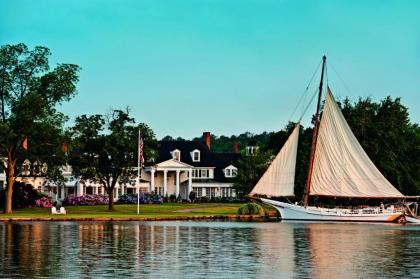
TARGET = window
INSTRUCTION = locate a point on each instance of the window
(211, 192)
(89, 190)
(230, 171)
(176, 155)
(225, 192)
(195, 155)
(202, 173)
(198, 191)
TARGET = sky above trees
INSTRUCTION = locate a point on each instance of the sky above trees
(223, 66)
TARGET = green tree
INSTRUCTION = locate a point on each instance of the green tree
(30, 125)
(108, 149)
(250, 170)
(389, 138)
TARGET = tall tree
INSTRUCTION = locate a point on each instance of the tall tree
(30, 125)
(108, 149)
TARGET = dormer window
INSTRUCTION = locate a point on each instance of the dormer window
(176, 155)
(230, 171)
(195, 155)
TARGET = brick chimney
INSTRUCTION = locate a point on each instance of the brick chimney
(207, 139)
(235, 148)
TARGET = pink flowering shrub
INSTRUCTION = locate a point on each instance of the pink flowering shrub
(45, 202)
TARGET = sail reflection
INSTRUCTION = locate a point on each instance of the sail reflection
(207, 249)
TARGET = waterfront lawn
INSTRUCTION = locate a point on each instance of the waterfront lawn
(166, 210)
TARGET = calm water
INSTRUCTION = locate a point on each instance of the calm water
(208, 250)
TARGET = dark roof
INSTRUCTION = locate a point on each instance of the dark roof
(252, 143)
(207, 158)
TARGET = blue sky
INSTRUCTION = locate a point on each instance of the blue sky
(190, 66)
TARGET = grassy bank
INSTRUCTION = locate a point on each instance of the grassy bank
(167, 210)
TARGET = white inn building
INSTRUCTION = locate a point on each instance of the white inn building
(181, 167)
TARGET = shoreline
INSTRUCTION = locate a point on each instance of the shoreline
(257, 218)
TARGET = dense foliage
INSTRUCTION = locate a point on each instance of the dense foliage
(107, 149)
(225, 144)
(24, 195)
(30, 125)
(251, 208)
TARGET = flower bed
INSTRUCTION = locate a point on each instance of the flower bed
(145, 198)
(86, 200)
(45, 202)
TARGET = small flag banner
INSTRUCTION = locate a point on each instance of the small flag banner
(25, 143)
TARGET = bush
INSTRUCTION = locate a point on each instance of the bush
(145, 198)
(24, 195)
(251, 209)
(86, 200)
(44, 202)
(203, 199)
(192, 196)
(172, 198)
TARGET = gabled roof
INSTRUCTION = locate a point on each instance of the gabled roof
(172, 163)
(219, 161)
(185, 147)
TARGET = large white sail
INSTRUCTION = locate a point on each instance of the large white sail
(279, 179)
(341, 166)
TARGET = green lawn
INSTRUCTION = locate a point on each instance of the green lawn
(167, 210)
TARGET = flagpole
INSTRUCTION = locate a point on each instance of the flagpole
(138, 174)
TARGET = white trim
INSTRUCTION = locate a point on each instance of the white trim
(193, 155)
(173, 155)
(228, 171)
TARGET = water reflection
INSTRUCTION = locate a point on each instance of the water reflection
(211, 250)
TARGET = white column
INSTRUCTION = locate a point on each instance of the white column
(165, 182)
(62, 192)
(152, 180)
(79, 189)
(116, 192)
(204, 194)
(189, 183)
(177, 184)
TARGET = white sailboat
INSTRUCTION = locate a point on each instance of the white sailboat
(339, 167)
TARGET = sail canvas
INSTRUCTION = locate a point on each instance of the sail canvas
(341, 166)
(279, 179)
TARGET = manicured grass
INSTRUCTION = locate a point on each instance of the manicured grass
(167, 210)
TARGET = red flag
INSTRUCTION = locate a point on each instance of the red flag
(64, 147)
(141, 145)
(25, 143)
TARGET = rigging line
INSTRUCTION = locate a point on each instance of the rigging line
(305, 91)
(308, 105)
(341, 79)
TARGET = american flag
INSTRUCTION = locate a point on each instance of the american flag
(141, 145)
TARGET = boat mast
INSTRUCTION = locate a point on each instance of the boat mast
(314, 136)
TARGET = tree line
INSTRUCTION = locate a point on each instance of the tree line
(104, 147)
(384, 130)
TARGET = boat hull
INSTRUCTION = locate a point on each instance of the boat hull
(296, 212)
(412, 220)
